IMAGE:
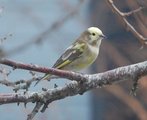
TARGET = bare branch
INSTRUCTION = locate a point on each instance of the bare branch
(88, 82)
(35, 111)
(61, 73)
(7, 83)
(83, 83)
(13, 98)
(132, 12)
(129, 27)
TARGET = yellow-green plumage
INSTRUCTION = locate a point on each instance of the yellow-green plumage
(81, 53)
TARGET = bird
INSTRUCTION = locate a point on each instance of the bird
(81, 53)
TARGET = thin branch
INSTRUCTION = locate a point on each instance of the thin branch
(7, 83)
(35, 110)
(122, 16)
(131, 12)
(20, 65)
(20, 84)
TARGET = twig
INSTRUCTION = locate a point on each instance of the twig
(7, 83)
(131, 12)
(20, 84)
(23, 84)
(129, 27)
(35, 110)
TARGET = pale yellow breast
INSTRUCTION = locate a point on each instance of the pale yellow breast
(86, 59)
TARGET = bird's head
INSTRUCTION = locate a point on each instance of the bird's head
(93, 35)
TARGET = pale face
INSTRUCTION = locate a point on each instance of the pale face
(95, 35)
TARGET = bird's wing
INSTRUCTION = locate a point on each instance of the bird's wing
(71, 53)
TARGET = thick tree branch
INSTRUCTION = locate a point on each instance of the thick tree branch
(85, 82)
(82, 83)
(72, 75)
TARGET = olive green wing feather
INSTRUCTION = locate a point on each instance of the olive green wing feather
(72, 53)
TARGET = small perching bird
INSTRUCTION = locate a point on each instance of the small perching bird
(82, 53)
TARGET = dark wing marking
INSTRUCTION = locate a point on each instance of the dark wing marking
(70, 55)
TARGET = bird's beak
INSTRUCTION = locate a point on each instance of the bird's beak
(103, 36)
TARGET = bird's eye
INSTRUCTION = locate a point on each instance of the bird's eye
(93, 34)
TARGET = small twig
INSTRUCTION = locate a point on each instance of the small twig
(35, 111)
(7, 83)
(23, 84)
(135, 87)
(20, 84)
(131, 12)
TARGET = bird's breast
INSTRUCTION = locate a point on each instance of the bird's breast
(86, 59)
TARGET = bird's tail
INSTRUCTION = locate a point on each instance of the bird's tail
(45, 77)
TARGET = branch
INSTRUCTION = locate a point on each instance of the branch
(25, 84)
(83, 83)
(131, 12)
(123, 16)
(60, 73)
(35, 111)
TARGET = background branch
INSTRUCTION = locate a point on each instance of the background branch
(128, 26)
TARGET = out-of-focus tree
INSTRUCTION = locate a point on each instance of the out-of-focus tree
(122, 48)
